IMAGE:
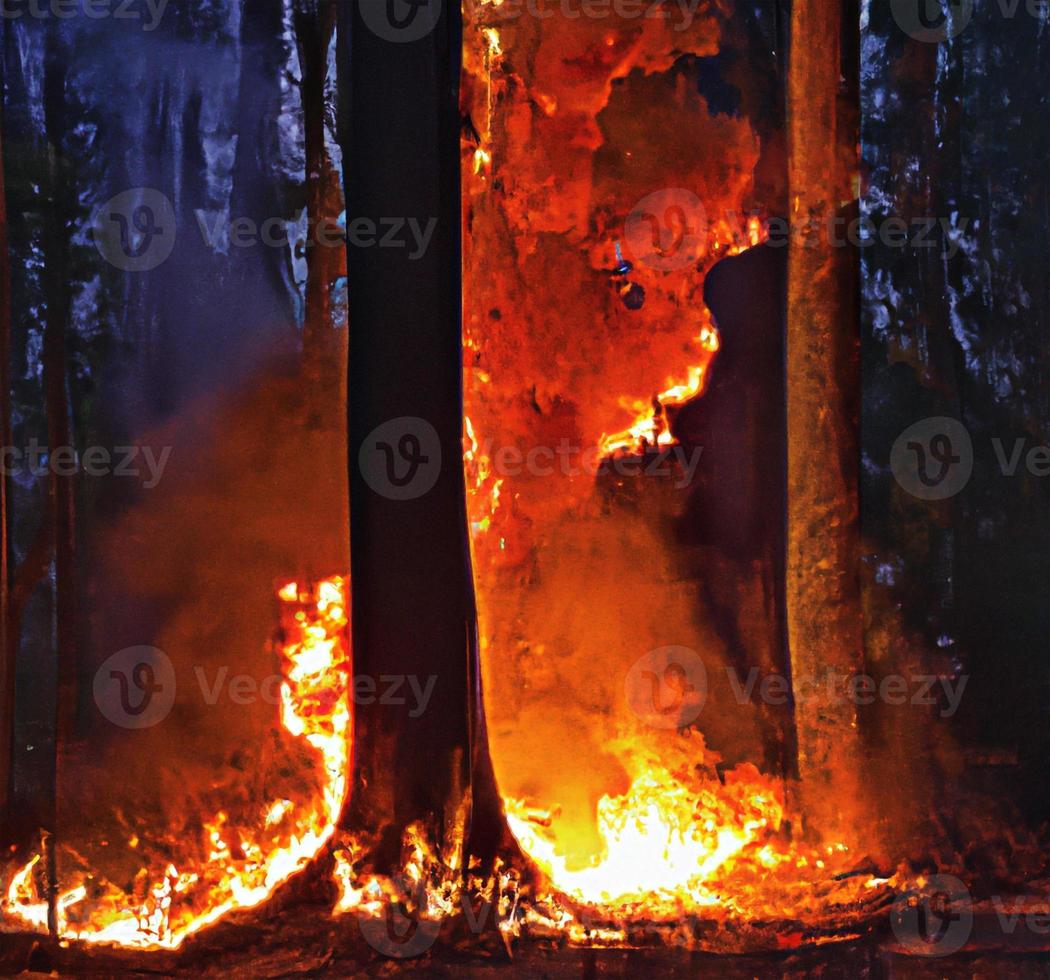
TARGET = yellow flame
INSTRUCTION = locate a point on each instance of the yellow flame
(664, 841)
(650, 426)
(315, 706)
(483, 486)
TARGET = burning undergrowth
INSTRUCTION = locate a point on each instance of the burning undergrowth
(237, 782)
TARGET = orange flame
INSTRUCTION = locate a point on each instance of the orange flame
(239, 873)
(650, 427)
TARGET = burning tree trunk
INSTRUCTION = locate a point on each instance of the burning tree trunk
(823, 588)
(413, 603)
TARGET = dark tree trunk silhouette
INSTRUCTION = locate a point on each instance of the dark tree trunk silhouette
(413, 602)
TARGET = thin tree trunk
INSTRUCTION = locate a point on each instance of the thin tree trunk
(825, 627)
(8, 640)
(59, 429)
(255, 193)
(314, 25)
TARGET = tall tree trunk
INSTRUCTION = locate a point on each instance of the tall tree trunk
(256, 191)
(825, 626)
(314, 23)
(8, 641)
(59, 428)
(413, 603)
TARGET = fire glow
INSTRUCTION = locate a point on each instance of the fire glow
(630, 824)
(241, 870)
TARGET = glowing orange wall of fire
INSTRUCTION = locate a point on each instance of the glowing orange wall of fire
(575, 121)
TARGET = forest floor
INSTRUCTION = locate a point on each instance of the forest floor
(304, 941)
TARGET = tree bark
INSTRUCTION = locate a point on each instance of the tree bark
(825, 626)
(59, 427)
(8, 640)
(413, 602)
(314, 25)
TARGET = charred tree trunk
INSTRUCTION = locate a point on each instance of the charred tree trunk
(413, 604)
(825, 626)
(314, 25)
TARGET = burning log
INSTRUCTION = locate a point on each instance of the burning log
(823, 589)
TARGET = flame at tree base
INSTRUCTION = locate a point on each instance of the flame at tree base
(683, 849)
(242, 868)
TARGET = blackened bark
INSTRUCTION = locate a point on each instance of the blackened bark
(413, 604)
